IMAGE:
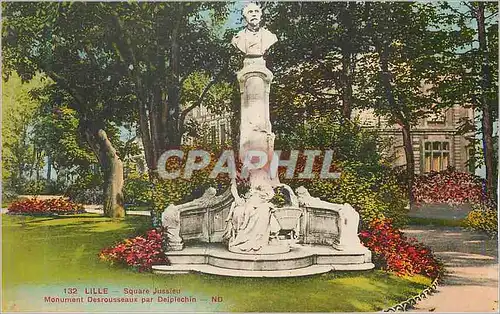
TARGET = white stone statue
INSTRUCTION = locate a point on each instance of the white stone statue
(253, 40)
(171, 222)
(255, 81)
(251, 222)
(348, 218)
(230, 230)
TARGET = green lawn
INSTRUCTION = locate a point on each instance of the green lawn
(42, 256)
(420, 221)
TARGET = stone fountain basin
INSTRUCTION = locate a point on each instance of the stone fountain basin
(288, 217)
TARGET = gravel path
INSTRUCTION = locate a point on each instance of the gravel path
(471, 259)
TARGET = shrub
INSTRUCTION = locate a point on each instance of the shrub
(366, 181)
(137, 189)
(8, 195)
(86, 189)
(393, 251)
(53, 206)
(140, 253)
(55, 187)
(35, 187)
(449, 186)
(483, 219)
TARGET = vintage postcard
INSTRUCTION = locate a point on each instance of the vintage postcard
(266, 156)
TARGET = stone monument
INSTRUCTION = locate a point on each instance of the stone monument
(251, 218)
(247, 235)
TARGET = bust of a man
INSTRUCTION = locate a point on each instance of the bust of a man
(253, 40)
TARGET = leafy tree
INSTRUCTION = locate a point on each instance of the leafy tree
(160, 47)
(333, 57)
(474, 69)
(41, 37)
(127, 62)
(316, 59)
(366, 180)
(19, 156)
(405, 70)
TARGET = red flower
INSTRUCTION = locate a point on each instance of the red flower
(450, 187)
(139, 252)
(393, 251)
(48, 207)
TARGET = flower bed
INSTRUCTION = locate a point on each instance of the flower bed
(140, 253)
(450, 187)
(393, 251)
(42, 207)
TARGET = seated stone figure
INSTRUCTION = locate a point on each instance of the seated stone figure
(348, 218)
(250, 224)
(171, 221)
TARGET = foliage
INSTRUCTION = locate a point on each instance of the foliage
(393, 251)
(403, 74)
(483, 219)
(181, 190)
(20, 157)
(316, 62)
(120, 67)
(8, 196)
(137, 189)
(86, 188)
(53, 206)
(56, 131)
(55, 187)
(449, 186)
(365, 182)
(34, 187)
(473, 79)
(279, 198)
(140, 253)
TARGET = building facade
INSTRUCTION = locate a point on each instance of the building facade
(215, 129)
(436, 142)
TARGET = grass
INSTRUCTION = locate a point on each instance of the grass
(43, 256)
(137, 207)
(435, 222)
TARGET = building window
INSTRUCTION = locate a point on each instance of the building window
(471, 161)
(223, 134)
(214, 136)
(436, 156)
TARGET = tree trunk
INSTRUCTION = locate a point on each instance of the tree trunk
(487, 112)
(410, 159)
(49, 168)
(174, 88)
(348, 65)
(112, 169)
(346, 81)
(399, 117)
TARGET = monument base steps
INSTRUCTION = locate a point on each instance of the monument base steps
(302, 260)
